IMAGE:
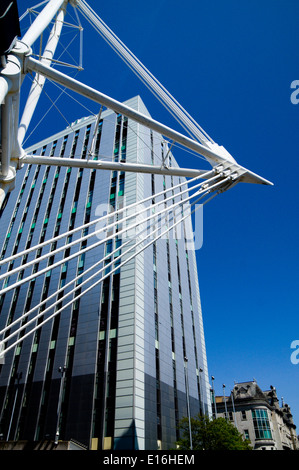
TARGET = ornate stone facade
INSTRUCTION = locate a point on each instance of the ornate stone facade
(259, 417)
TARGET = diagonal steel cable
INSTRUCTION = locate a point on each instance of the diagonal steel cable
(40, 325)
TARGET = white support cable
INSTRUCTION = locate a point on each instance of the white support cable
(63, 90)
(165, 102)
(69, 95)
(76, 279)
(144, 74)
(61, 289)
(100, 219)
(100, 261)
(53, 103)
(96, 233)
(153, 216)
(59, 62)
(66, 51)
(109, 255)
(40, 325)
(74, 255)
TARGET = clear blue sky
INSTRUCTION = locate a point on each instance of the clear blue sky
(230, 64)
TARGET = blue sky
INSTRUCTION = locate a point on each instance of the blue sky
(230, 64)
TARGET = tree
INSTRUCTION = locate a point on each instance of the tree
(211, 434)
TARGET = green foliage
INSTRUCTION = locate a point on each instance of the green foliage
(211, 434)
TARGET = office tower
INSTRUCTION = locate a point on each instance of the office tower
(119, 366)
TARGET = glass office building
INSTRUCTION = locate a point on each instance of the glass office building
(109, 369)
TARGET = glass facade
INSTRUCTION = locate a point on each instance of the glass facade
(261, 424)
(122, 346)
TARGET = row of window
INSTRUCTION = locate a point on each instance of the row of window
(69, 360)
(156, 310)
(14, 369)
(75, 310)
(173, 349)
(105, 390)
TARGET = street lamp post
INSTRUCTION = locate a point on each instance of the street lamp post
(213, 397)
(234, 411)
(224, 398)
(62, 372)
(200, 390)
(188, 403)
(18, 378)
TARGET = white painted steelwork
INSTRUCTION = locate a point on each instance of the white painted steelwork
(225, 172)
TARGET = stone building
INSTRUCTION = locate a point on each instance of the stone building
(258, 416)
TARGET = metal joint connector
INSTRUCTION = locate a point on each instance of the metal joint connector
(218, 168)
(226, 173)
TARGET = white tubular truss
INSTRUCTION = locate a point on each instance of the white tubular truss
(38, 83)
(225, 172)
